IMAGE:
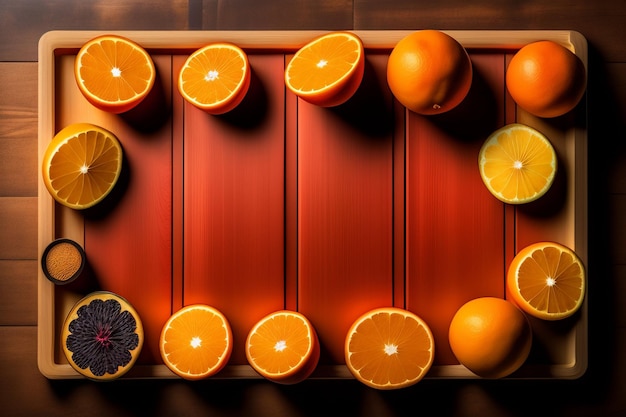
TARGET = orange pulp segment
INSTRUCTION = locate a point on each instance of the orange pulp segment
(215, 78)
(114, 73)
(283, 347)
(81, 165)
(328, 70)
(389, 348)
(547, 280)
(196, 342)
(517, 164)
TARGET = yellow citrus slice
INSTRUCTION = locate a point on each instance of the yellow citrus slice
(114, 73)
(215, 78)
(389, 348)
(547, 280)
(81, 165)
(196, 342)
(517, 164)
(102, 336)
(328, 70)
(283, 347)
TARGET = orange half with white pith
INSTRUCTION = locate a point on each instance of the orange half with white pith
(215, 78)
(328, 70)
(283, 347)
(389, 348)
(196, 342)
(114, 73)
(547, 280)
(81, 165)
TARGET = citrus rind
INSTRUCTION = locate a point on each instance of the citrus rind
(546, 79)
(429, 72)
(490, 336)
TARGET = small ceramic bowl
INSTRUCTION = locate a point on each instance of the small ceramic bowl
(63, 261)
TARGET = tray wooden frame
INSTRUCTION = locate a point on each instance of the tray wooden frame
(55, 43)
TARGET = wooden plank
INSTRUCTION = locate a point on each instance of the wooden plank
(455, 227)
(18, 223)
(234, 232)
(178, 190)
(129, 237)
(291, 199)
(345, 209)
(275, 14)
(18, 130)
(18, 292)
(23, 22)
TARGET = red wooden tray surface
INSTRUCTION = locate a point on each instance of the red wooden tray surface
(282, 204)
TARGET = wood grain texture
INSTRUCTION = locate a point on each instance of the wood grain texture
(18, 292)
(455, 228)
(284, 14)
(234, 234)
(599, 393)
(18, 226)
(18, 130)
(24, 22)
(345, 210)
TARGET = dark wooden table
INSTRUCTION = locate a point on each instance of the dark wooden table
(25, 392)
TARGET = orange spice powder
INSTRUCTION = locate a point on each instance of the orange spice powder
(63, 261)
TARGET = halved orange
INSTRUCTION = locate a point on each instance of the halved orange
(196, 342)
(547, 280)
(517, 164)
(114, 73)
(328, 70)
(283, 347)
(81, 165)
(215, 78)
(389, 348)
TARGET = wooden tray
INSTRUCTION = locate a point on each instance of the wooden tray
(332, 212)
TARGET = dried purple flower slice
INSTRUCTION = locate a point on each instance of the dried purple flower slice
(102, 336)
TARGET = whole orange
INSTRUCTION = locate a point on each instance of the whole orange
(429, 72)
(490, 336)
(546, 79)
